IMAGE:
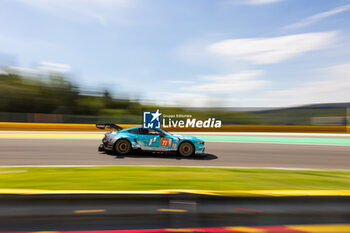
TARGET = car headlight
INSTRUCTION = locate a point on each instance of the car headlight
(200, 143)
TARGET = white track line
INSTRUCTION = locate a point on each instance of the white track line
(233, 167)
(282, 143)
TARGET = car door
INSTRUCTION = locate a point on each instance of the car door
(153, 139)
(149, 139)
(166, 142)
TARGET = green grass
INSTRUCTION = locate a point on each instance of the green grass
(155, 178)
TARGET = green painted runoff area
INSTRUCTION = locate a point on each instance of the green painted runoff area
(207, 138)
(264, 139)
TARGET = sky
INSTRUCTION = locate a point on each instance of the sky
(195, 53)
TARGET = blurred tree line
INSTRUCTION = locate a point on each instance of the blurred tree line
(56, 94)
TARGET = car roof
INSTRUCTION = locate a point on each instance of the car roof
(135, 127)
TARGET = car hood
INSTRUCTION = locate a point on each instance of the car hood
(188, 137)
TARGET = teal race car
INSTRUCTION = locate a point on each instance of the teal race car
(123, 141)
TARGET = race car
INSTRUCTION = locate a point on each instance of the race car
(123, 141)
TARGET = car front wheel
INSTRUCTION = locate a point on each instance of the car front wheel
(122, 146)
(186, 149)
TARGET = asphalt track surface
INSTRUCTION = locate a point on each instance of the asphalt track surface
(51, 151)
(55, 214)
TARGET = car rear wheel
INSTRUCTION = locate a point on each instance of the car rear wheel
(186, 149)
(122, 146)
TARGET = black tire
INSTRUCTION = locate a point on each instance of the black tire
(122, 146)
(186, 149)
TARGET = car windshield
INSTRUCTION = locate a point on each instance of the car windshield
(165, 132)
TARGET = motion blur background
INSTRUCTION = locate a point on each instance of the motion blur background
(256, 65)
(241, 61)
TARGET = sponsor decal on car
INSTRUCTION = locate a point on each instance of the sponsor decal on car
(165, 142)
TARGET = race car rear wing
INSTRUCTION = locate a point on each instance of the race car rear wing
(108, 125)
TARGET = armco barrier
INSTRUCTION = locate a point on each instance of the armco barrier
(224, 128)
(269, 128)
(51, 126)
